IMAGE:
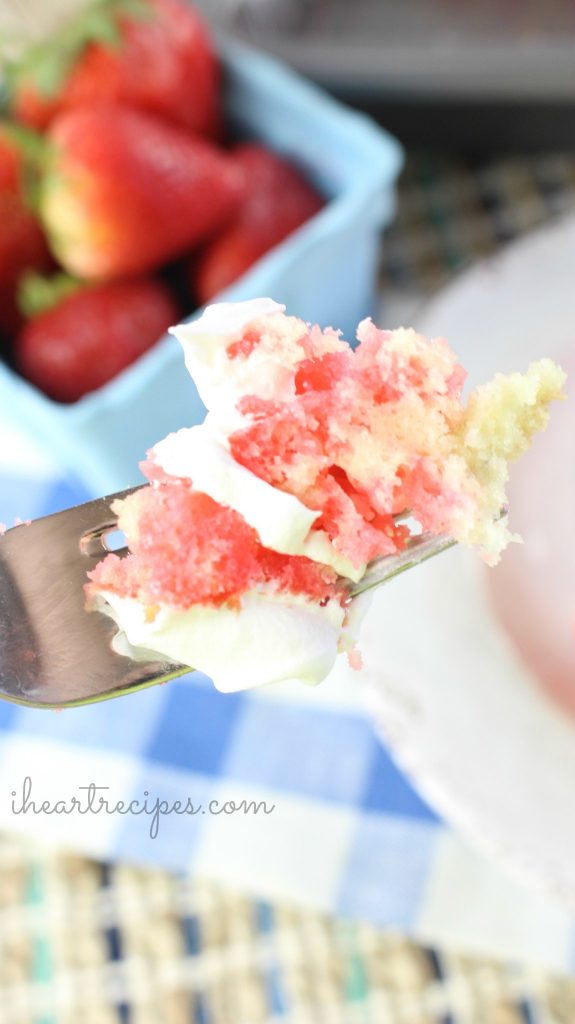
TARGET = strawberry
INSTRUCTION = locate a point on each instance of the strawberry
(277, 201)
(22, 244)
(125, 192)
(156, 55)
(92, 334)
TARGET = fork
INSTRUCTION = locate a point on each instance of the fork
(54, 653)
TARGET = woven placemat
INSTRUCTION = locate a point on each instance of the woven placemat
(88, 943)
(85, 943)
(452, 212)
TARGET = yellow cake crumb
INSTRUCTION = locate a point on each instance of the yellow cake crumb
(497, 427)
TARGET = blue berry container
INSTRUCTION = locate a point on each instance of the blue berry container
(326, 272)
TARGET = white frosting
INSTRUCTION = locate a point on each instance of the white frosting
(319, 548)
(225, 319)
(270, 638)
(282, 522)
(219, 380)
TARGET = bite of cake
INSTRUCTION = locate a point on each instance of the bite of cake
(253, 523)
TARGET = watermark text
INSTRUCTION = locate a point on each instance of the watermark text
(95, 799)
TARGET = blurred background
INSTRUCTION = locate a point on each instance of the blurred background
(470, 78)
(360, 902)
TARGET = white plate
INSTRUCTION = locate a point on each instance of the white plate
(463, 713)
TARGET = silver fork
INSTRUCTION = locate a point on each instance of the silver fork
(55, 653)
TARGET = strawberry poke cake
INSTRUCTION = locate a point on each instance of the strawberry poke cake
(244, 542)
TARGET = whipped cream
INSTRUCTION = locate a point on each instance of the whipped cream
(270, 638)
(282, 522)
(221, 382)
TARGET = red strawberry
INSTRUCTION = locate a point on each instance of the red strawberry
(91, 335)
(278, 201)
(156, 55)
(125, 192)
(22, 244)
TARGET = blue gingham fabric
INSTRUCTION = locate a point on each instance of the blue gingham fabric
(342, 829)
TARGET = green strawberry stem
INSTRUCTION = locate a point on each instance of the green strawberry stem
(35, 151)
(36, 293)
(32, 146)
(47, 64)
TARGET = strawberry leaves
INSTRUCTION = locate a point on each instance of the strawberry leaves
(49, 63)
(37, 293)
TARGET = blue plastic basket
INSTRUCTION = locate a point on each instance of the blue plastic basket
(325, 272)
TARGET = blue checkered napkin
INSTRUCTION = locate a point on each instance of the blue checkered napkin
(341, 829)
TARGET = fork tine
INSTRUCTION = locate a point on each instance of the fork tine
(417, 550)
(56, 653)
(53, 652)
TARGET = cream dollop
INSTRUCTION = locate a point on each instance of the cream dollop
(270, 638)
(282, 522)
(221, 381)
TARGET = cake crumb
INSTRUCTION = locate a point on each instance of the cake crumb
(354, 659)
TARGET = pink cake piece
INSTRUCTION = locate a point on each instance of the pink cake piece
(362, 435)
(359, 439)
(185, 549)
(323, 451)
